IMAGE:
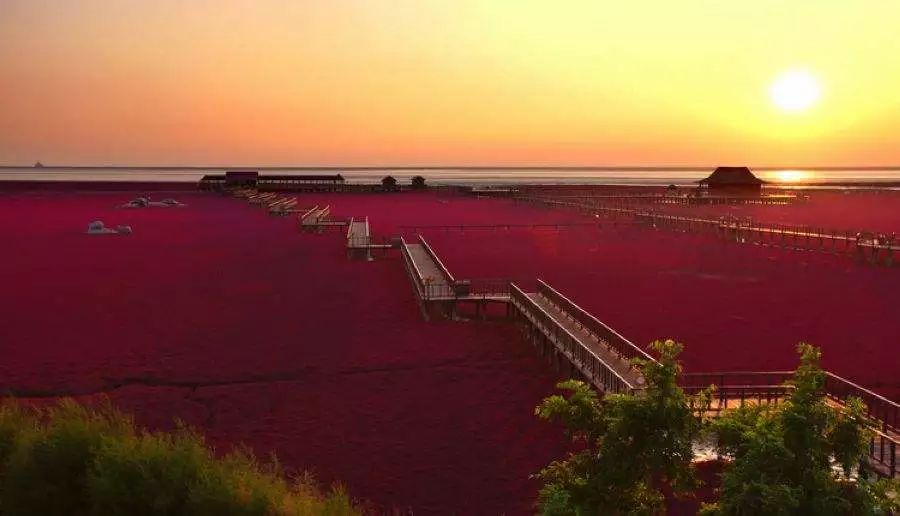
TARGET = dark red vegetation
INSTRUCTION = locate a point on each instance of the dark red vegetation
(736, 307)
(856, 210)
(236, 322)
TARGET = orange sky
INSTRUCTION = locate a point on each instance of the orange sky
(445, 82)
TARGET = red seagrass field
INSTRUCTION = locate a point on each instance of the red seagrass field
(238, 323)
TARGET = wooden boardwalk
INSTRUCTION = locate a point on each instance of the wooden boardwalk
(868, 246)
(680, 199)
(585, 348)
(432, 280)
(359, 239)
(573, 345)
(437, 290)
(358, 236)
(446, 228)
(318, 219)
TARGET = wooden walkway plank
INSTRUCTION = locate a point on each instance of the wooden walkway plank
(358, 236)
(622, 367)
(430, 273)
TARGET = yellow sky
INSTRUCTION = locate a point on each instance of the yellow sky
(457, 82)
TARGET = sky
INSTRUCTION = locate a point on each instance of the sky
(446, 82)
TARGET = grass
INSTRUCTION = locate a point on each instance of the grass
(72, 459)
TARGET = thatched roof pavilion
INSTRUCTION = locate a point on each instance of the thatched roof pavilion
(733, 180)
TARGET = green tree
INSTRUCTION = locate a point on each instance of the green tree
(631, 444)
(782, 455)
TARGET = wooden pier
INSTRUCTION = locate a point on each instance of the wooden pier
(282, 206)
(871, 247)
(318, 219)
(359, 240)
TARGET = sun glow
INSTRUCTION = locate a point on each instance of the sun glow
(792, 176)
(796, 90)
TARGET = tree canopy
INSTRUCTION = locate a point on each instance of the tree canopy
(632, 444)
(801, 456)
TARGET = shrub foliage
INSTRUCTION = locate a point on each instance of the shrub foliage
(76, 460)
(631, 444)
(799, 457)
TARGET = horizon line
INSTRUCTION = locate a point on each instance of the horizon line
(661, 168)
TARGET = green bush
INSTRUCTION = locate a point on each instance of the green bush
(782, 455)
(77, 460)
(631, 444)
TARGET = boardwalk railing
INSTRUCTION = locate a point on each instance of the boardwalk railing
(468, 289)
(415, 275)
(884, 446)
(738, 389)
(432, 291)
(496, 227)
(610, 337)
(592, 366)
(446, 273)
(873, 246)
(426, 287)
(489, 287)
(678, 199)
(881, 409)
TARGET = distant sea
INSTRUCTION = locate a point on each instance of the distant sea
(456, 176)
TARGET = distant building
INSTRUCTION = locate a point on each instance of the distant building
(732, 181)
(302, 183)
(241, 178)
(212, 182)
(389, 183)
(273, 183)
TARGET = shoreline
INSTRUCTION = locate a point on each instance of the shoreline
(606, 168)
(120, 185)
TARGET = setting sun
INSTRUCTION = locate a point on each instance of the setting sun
(795, 91)
(791, 176)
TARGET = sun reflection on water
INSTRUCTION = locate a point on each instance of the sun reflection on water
(791, 176)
